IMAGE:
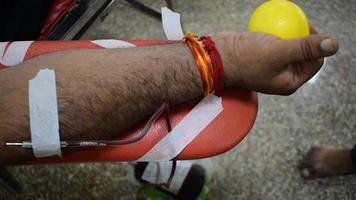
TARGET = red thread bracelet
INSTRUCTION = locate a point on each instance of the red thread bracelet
(218, 70)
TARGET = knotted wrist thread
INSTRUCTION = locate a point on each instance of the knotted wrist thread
(218, 70)
(203, 62)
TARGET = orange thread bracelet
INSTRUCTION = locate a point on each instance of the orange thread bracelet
(203, 61)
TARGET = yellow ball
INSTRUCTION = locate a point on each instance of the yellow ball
(281, 18)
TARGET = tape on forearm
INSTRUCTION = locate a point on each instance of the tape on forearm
(44, 114)
(171, 24)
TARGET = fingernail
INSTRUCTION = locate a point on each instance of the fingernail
(305, 173)
(327, 46)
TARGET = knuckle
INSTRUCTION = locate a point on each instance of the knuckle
(307, 50)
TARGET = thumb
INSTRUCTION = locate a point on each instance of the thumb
(307, 48)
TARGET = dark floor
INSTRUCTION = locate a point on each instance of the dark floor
(264, 165)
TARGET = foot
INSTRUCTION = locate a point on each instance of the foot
(327, 161)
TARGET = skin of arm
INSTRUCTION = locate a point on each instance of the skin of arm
(104, 92)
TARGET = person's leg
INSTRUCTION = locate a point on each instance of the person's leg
(327, 161)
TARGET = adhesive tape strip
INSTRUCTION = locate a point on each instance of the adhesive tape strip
(13, 53)
(158, 172)
(186, 130)
(111, 44)
(171, 24)
(44, 114)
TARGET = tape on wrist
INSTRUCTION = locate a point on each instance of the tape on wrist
(43, 106)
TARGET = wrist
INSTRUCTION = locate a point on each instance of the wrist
(225, 45)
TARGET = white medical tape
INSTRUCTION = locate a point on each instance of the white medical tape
(186, 130)
(2, 50)
(171, 24)
(111, 44)
(44, 114)
(158, 172)
(15, 52)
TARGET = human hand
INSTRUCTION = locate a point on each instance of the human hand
(267, 64)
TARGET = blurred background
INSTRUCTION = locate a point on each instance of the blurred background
(265, 164)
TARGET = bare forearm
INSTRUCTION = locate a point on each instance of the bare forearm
(101, 93)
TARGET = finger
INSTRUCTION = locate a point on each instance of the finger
(307, 48)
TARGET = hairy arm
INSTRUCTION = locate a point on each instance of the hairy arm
(102, 93)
